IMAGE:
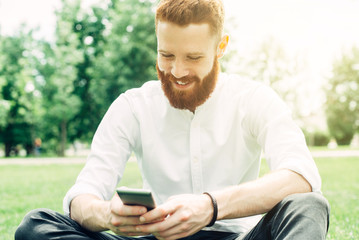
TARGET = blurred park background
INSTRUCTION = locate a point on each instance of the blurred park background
(63, 62)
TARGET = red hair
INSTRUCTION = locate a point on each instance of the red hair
(184, 12)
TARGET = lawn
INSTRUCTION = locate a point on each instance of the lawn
(32, 186)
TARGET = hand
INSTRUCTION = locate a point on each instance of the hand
(183, 215)
(123, 218)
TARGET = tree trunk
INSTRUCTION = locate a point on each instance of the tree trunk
(7, 149)
(63, 138)
(29, 149)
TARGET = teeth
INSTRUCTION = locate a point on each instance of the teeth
(181, 83)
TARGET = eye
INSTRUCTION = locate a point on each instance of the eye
(166, 55)
(194, 58)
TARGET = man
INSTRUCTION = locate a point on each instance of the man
(198, 136)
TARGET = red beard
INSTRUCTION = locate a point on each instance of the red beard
(189, 98)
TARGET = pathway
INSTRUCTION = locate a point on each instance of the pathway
(82, 160)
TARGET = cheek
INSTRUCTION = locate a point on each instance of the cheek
(205, 69)
(164, 66)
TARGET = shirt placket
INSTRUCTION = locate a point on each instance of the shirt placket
(196, 158)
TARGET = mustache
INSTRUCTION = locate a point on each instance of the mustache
(194, 97)
(170, 77)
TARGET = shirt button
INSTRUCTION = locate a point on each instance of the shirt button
(195, 160)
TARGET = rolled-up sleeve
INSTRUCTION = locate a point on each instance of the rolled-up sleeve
(281, 139)
(110, 149)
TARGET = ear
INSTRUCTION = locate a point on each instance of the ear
(222, 45)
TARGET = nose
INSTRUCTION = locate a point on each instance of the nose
(179, 69)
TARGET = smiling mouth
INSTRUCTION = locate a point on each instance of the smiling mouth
(182, 83)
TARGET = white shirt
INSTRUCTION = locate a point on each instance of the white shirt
(180, 152)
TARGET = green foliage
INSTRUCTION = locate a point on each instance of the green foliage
(342, 109)
(321, 139)
(128, 55)
(18, 99)
(316, 138)
(59, 98)
(89, 28)
(99, 53)
(272, 65)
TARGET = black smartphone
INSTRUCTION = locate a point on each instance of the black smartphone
(141, 197)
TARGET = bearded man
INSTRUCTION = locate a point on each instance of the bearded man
(198, 135)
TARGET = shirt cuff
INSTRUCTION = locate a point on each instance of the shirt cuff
(310, 173)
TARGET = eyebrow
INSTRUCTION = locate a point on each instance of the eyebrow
(188, 54)
(163, 51)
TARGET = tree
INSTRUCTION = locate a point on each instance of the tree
(128, 54)
(99, 53)
(271, 65)
(59, 71)
(4, 104)
(109, 66)
(89, 27)
(19, 99)
(342, 107)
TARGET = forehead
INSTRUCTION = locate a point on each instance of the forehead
(192, 37)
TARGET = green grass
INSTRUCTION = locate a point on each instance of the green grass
(24, 188)
(341, 187)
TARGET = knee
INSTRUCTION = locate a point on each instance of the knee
(311, 205)
(311, 201)
(30, 227)
(319, 201)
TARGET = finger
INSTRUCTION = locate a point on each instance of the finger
(174, 227)
(129, 234)
(127, 230)
(159, 213)
(118, 208)
(147, 220)
(130, 229)
(162, 226)
(118, 221)
(127, 210)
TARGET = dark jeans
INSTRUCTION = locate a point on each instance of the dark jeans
(299, 216)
